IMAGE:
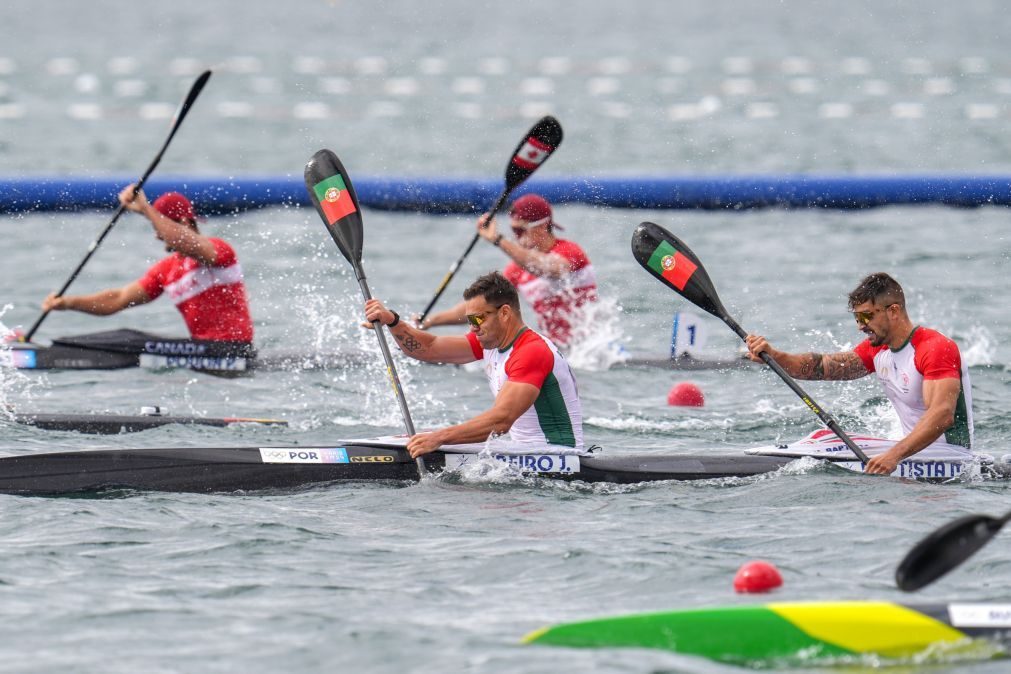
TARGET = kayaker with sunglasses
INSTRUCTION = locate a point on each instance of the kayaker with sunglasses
(536, 400)
(922, 372)
(553, 275)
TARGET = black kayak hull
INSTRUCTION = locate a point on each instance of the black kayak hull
(61, 357)
(111, 424)
(234, 469)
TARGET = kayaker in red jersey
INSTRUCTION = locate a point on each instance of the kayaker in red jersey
(922, 372)
(553, 275)
(536, 398)
(201, 276)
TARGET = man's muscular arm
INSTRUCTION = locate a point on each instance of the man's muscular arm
(417, 343)
(832, 366)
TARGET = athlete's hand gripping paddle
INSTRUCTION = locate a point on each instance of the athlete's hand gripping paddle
(674, 264)
(535, 148)
(180, 115)
(334, 197)
(945, 548)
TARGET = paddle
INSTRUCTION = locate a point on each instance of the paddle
(335, 200)
(180, 115)
(945, 548)
(671, 261)
(535, 148)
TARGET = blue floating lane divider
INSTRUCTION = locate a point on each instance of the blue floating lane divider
(219, 195)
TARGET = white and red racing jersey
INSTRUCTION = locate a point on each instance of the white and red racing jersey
(926, 355)
(556, 417)
(211, 298)
(557, 300)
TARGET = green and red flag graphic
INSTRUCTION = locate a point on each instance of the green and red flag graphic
(334, 198)
(672, 264)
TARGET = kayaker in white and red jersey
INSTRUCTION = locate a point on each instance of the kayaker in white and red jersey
(536, 400)
(922, 372)
(202, 275)
(553, 275)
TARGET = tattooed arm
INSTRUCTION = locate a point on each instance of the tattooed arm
(419, 344)
(831, 366)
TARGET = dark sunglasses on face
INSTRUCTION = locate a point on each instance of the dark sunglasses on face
(865, 317)
(477, 320)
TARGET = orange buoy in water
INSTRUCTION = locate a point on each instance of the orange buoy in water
(686, 394)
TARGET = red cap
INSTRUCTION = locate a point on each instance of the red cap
(533, 209)
(175, 206)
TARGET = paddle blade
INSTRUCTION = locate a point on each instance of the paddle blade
(670, 260)
(191, 97)
(335, 200)
(944, 549)
(540, 142)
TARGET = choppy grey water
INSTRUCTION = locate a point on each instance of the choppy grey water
(447, 575)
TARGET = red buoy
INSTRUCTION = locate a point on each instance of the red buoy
(686, 394)
(757, 576)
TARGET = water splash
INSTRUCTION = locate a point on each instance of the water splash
(597, 337)
(14, 384)
(978, 347)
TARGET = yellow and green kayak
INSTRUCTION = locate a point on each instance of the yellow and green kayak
(802, 633)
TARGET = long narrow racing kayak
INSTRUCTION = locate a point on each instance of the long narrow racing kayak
(227, 469)
(125, 348)
(807, 633)
(108, 424)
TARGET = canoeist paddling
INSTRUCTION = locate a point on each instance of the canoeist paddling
(536, 400)
(554, 275)
(201, 275)
(921, 370)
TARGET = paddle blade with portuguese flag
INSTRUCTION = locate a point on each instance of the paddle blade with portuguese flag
(543, 139)
(670, 260)
(334, 197)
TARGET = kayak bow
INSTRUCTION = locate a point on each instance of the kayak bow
(801, 633)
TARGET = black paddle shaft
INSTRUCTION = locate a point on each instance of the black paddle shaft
(391, 370)
(672, 262)
(334, 197)
(187, 103)
(535, 148)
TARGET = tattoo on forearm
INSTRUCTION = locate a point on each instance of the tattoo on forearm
(408, 342)
(845, 365)
(816, 366)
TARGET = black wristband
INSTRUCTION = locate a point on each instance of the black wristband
(396, 319)
(497, 241)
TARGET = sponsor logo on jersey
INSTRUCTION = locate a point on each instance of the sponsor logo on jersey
(304, 455)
